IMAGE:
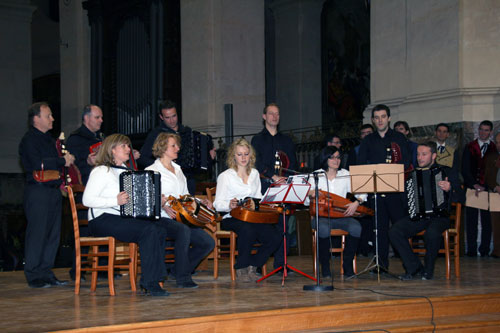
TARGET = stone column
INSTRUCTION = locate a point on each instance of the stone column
(435, 61)
(75, 63)
(222, 63)
(16, 82)
(297, 49)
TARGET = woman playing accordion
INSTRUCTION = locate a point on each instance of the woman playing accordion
(103, 197)
(239, 181)
(337, 181)
(192, 244)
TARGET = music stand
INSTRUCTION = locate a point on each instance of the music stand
(283, 194)
(376, 178)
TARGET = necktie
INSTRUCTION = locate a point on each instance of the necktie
(483, 149)
(441, 149)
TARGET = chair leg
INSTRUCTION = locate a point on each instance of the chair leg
(342, 247)
(78, 264)
(232, 255)
(93, 284)
(132, 249)
(216, 258)
(355, 265)
(111, 266)
(447, 254)
(456, 253)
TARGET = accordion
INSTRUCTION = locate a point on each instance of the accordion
(425, 197)
(195, 150)
(144, 190)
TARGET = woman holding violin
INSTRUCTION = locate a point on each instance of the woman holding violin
(239, 181)
(173, 183)
(103, 197)
(337, 181)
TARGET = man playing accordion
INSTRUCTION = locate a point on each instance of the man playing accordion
(434, 222)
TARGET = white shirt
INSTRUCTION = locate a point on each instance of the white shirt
(102, 190)
(340, 185)
(174, 185)
(230, 186)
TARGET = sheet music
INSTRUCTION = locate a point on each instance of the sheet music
(286, 193)
(476, 201)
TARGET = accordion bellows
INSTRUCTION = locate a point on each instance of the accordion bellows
(144, 190)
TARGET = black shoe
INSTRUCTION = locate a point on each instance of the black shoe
(427, 276)
(187, 284)
(471, 254)
(410, 276)
(38, 283)
(56, 282)
(484, 254)
(381, 269)
(153, 289)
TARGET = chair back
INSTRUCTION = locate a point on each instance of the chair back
(456, 216)
(75, 208)
(211, 193)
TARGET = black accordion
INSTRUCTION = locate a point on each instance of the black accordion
(425, 197)
(195, 150)
(144, 190)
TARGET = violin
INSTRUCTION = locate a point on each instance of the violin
(251, 210)
(334, 206)
(190, 210)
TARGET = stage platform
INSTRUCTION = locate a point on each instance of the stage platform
(468, 304)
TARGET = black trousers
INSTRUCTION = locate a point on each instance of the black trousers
(42, 206)
(471, 221)
(403, 229)
(191, 246)
(390, 207)
(148, 234)
(248, 235)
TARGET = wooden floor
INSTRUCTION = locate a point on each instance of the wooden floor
(221, 305)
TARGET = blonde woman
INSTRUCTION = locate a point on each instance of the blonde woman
(103, 197)
(239, 181)
(192, 244)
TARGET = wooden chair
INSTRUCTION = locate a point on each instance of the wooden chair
(451, 241)
(333, 233)
(92, 257)
(223, 249)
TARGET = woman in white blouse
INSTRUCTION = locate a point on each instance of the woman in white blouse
(239, 181)
(173, 182)
(103, 197)
(337, 181)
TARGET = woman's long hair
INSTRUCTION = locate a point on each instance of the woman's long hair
(105, 153)
(231, 161)
(325, 154)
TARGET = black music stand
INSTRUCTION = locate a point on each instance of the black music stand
(376, 178)
(317, 286)
(282, 194)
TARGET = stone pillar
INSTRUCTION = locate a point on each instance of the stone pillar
(75, 63)
(434, 61)
(297, 49)
(15, 82)
(222, 63)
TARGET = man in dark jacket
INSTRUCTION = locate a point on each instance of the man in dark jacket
(84, 137)
(42, 199)
(473, 167)
(434, 223)
(385, 146)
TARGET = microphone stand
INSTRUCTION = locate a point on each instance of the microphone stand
(317, 286)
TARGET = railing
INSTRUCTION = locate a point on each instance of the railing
(308, 142)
